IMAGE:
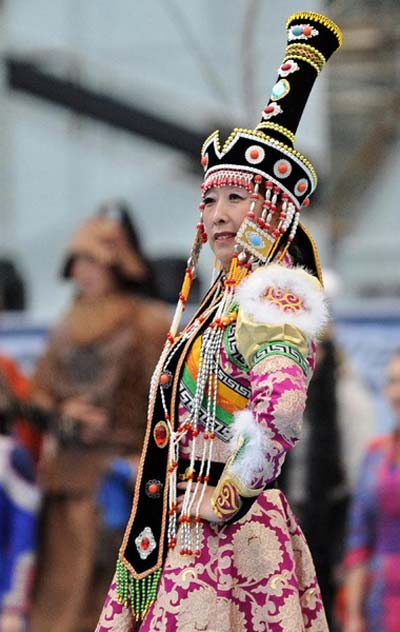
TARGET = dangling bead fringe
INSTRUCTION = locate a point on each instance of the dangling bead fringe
(295, 219)
(182, 301)
(188, 539)
(237, 272)
(138, 594)
(228, 177)
(199, 240)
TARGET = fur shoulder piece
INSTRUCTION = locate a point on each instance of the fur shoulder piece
(275, 294)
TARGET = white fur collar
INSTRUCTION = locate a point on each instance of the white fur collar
(310, 318)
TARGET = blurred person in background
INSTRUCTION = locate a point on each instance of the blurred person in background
(14, 384)
(92, 380)
(12, 287)
(20, 444)
(372, 563)
(19, 500)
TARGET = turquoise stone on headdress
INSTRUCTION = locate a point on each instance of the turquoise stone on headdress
(255, 240)
(281, 88)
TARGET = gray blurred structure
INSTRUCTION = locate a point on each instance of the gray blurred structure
(365, 98)
(101, 100)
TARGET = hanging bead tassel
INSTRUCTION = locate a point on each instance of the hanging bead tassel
(228, 177)
(295, 220)
(138, 594)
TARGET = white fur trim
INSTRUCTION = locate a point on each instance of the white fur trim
(251, 462)
(251, 297)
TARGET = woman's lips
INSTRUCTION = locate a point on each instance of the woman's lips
(224, 236)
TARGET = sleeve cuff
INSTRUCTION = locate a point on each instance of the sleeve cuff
(230, 496)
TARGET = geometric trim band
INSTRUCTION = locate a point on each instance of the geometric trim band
(283, 349)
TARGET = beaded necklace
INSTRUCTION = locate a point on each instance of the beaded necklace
(207, 379)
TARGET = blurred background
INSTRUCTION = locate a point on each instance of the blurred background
(105, 100)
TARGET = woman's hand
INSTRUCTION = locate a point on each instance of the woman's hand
(206, 511)
(93, 419)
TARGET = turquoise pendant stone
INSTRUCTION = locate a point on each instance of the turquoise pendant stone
(255, 240)
(280, 89)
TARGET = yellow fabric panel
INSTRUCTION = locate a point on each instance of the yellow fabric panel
(226, 397)
(250, 335)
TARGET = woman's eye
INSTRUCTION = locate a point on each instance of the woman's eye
(208, 200)
(236, 196)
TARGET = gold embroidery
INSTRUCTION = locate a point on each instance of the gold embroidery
(272, 363)
(289, 615)
(188, 574)
(197, 610)
(226, 497)
(257, 551)
(286, 301)
(288, 412)
(121, 620)
(306, 53)
(272, 378)
(303, 560)
(227, 501)
(187, 598)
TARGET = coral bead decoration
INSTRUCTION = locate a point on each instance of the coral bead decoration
(161, 434)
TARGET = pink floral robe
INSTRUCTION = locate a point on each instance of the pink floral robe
(256, 573)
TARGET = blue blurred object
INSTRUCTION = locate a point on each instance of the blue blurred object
(22, 463)
(19, 505)
(115, 495)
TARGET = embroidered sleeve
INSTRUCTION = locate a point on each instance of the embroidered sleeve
(227, 499)
(263, 433)
(279, 313)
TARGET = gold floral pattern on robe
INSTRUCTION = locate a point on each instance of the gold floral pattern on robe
(253, 573)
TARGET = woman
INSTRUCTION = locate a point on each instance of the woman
(211, 544)
(92, 380)
(373, 544)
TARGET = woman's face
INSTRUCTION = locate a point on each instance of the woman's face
(92, 278)
(224, 210)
